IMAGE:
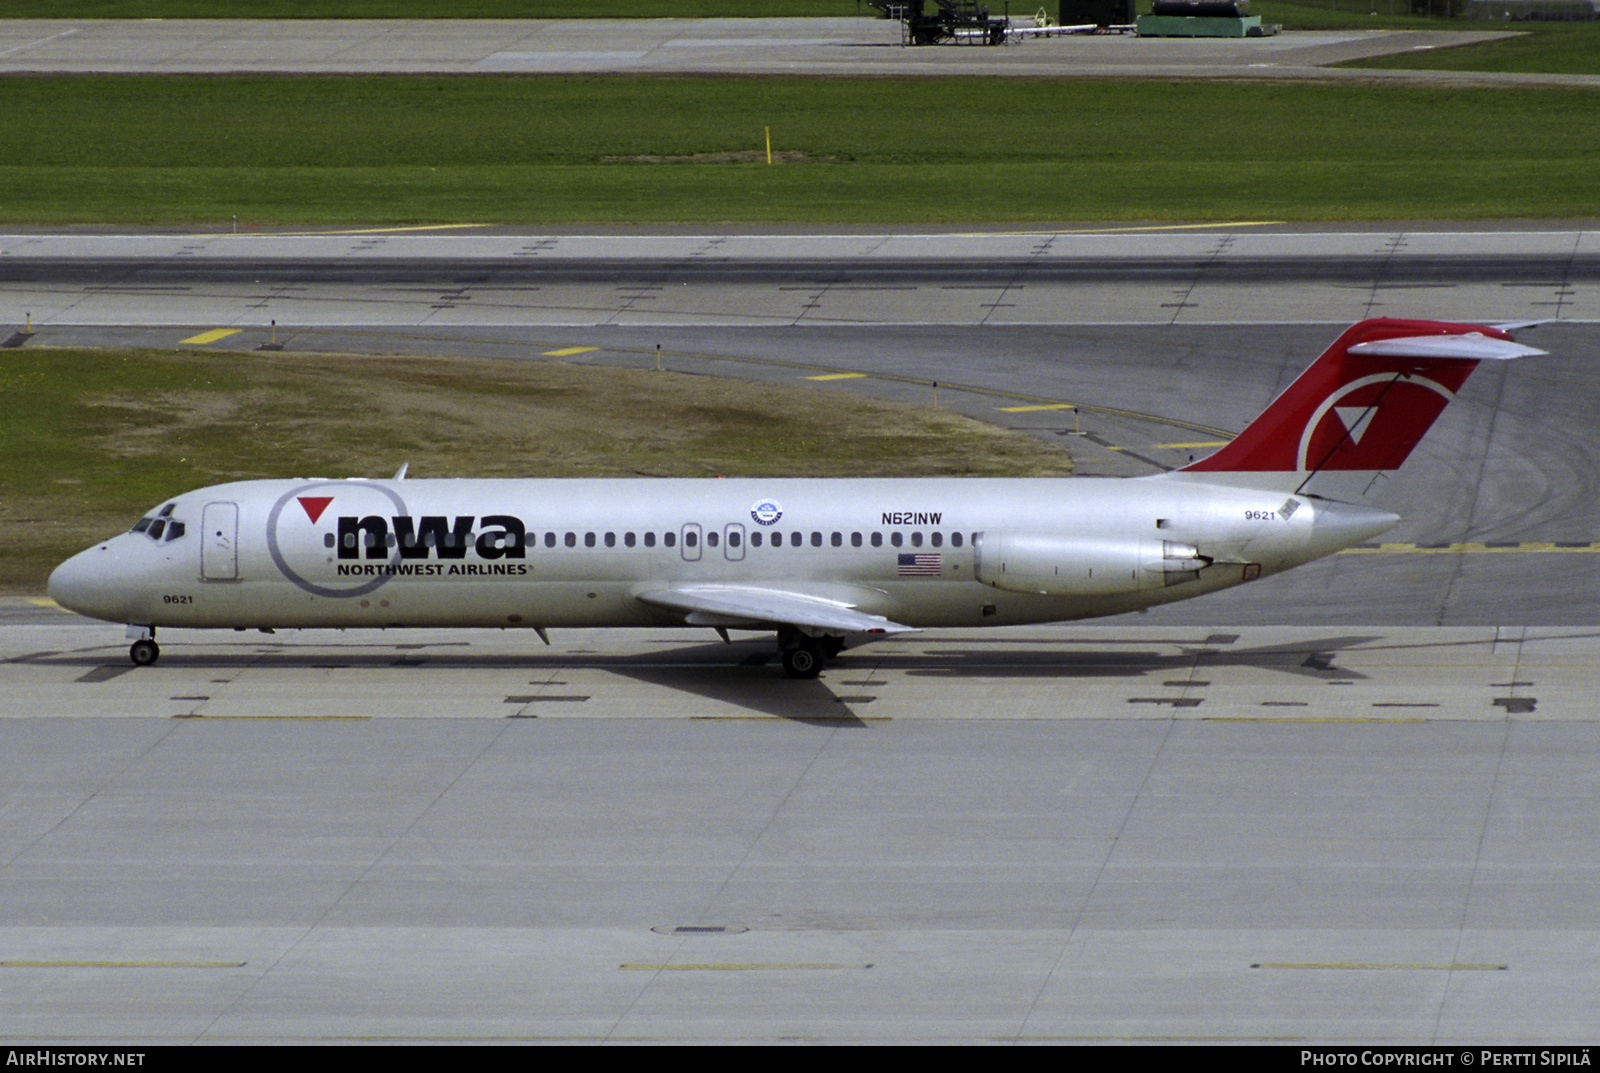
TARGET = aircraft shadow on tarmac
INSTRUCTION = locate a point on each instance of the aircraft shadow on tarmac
(740, 675)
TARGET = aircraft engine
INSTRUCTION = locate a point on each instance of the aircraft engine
(1055, 565)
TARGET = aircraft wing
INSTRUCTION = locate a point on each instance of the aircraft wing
(759, 607)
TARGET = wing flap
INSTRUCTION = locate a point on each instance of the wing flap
(755, 607)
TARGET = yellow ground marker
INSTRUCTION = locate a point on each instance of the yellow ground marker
(1381, 966)
(736, 967)
(837, 376)
(276, 718)
(1533, 547)
(1035, 409)
(209, 337)
(567, 352)
(1127, 230)
(352, 231)
(12, 964)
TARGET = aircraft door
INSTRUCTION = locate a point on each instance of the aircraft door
(219, 542)
(733, 541)
(690, 542)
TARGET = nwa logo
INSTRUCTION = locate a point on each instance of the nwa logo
(496, 536)
(348, 539)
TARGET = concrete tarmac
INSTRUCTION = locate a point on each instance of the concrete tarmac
(830, 46)
(1220, 274)
(1073, 834)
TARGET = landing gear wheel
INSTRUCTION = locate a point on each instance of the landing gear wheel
(144, 652)
(803, 660)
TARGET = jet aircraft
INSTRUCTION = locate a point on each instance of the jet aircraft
(822, 562)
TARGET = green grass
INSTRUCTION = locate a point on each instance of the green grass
(528, 151)
(1542, 48)
(1539, 47)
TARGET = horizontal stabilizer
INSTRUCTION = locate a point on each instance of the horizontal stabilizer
(1470, 347)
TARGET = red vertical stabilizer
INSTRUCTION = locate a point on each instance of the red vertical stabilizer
(1359, 409)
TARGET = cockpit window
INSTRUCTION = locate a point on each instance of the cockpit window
(161, 526)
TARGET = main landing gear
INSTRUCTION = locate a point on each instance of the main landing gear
(803, 655)
(144, 651)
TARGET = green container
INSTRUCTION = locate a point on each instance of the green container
(1190, 26)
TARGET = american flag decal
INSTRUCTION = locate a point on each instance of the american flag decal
(920, 564)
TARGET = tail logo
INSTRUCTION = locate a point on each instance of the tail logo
(1355, 418)
(1370, 423)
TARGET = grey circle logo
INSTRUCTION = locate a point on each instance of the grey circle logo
(307, 552)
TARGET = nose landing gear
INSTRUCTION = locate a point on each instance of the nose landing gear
(144, 651)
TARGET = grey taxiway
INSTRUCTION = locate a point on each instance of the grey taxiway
(1351, 805)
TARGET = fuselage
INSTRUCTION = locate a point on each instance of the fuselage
(564, 553)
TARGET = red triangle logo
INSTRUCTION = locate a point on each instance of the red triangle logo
(314, 506)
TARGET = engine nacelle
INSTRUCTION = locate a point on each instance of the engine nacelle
(1050, 564)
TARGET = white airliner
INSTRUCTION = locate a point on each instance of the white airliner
(823, 562)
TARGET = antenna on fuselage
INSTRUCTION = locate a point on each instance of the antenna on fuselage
(400, 474)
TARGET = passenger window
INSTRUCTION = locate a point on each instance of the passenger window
(816, 540)
(877, 540)
(896, 539)
(669, 539)
(855, 540)
(627, 540)
(937, 539)
(611, 540)
(572, 540)
(916, 540)
(689, 539)
(755, 540)
(588, 540)
(711, 539)
(796, 539)
(837, 540)
(650, 540)
(955, 539)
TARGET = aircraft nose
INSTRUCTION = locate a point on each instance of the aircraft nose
(91, 584)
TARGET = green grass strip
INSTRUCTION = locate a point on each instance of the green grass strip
(629, 149)
(1558, 48)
